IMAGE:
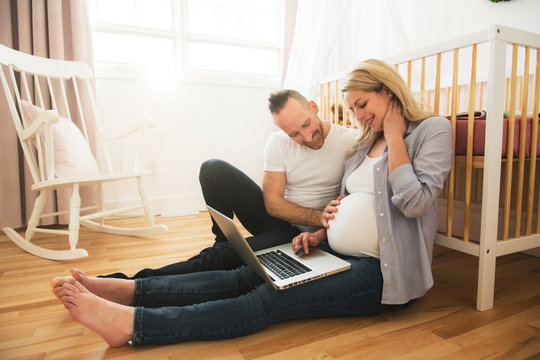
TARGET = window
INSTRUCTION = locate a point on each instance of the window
(239, 38)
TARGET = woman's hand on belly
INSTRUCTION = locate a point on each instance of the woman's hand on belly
(330, 209)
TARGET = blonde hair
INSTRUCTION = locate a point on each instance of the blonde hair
(372, 76)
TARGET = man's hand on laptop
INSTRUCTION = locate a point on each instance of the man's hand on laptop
(302, 242)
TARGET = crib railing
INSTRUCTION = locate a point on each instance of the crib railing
(489, 84)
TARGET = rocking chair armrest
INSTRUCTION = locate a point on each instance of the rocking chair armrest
(140, 125)
(47, 117)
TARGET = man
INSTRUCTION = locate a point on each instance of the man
(303, 166)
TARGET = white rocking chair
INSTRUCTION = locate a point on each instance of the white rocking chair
(57, 153)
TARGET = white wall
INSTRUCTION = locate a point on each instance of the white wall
(193, 123)
(430, 21)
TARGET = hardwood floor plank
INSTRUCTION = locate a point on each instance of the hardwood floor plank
(407, 318)
(386, 347)
(498, 346)
(301, 339)
(475, 320)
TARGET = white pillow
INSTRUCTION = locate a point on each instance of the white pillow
(72, 155)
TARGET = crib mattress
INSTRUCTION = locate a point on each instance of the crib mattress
(480, 133)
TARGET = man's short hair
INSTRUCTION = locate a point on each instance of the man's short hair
(277, 100)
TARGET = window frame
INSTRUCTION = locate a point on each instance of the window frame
(181, 37)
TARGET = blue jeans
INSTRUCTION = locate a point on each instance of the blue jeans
(228, 190)
(224, 304)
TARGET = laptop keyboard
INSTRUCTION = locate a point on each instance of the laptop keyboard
(282, 264)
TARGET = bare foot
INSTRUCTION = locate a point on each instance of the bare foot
(57, 282)
(113, 322)
(120, 291)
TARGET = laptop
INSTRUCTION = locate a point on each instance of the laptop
(279, 265)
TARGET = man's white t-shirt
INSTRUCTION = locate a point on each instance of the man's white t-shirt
(313, 177)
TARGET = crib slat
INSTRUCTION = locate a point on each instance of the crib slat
(336, 102)
(347, 119)
(325, 111)
(470, 138)
(321, 99)
(423, 82)
(451, 176)
(522, 139)
(409, 73)
(328, 102)
(533, 154)
(510, 145)
(322, 110)
(325, 108)
(437, 85)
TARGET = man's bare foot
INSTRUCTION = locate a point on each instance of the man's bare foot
(113, 322)
(120, 291)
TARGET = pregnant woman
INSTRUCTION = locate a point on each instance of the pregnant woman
(385, 227)
(388, 212)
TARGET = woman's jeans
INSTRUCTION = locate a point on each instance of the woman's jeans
(225, 304)
(231, 192)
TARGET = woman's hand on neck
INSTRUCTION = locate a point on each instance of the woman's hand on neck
(394, 128)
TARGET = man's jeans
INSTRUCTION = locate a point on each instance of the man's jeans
(224, 304)
(228, 190)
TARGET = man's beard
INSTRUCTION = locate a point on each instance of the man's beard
(319, 141)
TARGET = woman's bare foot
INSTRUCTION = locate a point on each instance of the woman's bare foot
(113, 322)
(57, 282)
(120, 291)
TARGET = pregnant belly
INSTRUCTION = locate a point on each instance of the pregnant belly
(353, 231)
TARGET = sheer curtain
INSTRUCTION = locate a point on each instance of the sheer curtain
(331, 36)
(288, 33)
(57, 29)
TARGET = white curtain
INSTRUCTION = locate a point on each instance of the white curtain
(331, 36)
(288, 34)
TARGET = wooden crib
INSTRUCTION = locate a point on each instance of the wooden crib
(488, 85)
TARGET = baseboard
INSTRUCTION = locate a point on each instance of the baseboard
(165, 205)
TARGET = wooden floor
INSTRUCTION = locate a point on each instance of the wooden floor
(442, 325)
